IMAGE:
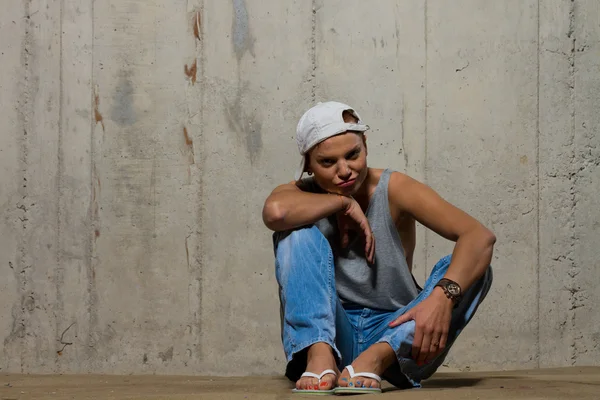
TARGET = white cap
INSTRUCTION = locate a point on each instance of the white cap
(322, 122)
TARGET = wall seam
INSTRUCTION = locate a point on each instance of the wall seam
(59, 274)
(537, 147)
(425, 170)
(313, 54)
(199, 256)
(573, 175)
(95, 118)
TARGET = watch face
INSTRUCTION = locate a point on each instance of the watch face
(453, 289)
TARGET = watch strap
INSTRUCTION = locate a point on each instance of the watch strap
(443, 283)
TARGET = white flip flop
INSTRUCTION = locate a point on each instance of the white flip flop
(319, 377)
(355, 389)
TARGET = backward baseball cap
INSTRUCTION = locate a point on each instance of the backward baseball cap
(321, 122)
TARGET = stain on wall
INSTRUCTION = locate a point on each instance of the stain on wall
(97, 116)
(240, 31)
(166, 355)
(247, 125)
(123, 111)
(189, 143)
(196, 23)
(190, 72)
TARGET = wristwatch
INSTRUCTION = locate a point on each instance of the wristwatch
(451, 289)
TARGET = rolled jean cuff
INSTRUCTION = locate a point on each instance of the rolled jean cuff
(297, 348)
(408, 367)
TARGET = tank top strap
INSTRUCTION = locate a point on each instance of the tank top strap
(379, 203)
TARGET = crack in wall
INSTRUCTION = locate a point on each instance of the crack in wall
(91, 299)
(23, 262)
(196, 265)
(313, 52)
(59, 279)
(572, 287)
(425, 147)
(537, 162)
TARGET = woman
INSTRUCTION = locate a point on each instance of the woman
(344, 243)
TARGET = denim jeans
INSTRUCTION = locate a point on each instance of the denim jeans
(311, 312)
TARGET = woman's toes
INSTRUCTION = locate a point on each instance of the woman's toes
(306, 384)
(343, 381)
(370, 383)
(363, 383)
(327, 383)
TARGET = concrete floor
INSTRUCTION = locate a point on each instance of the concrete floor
(565, 383)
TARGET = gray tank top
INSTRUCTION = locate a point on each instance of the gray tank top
(386, 285)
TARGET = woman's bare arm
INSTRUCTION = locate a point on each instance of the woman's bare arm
(471, 257)
(289, 207)
(474, 242)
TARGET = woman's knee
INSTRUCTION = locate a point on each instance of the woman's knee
(489, 275)
(305, 246)
(486, 280)
(297, 239)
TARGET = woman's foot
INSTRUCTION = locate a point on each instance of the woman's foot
(376, 359)
(320, 357)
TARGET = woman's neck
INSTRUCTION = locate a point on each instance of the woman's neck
(366, 190)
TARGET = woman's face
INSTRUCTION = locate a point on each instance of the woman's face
(339, 164)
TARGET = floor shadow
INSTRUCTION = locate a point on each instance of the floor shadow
(450, 383)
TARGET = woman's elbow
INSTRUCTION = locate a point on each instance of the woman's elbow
(488, 237)
(273, 215)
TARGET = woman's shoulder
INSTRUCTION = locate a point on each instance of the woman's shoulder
(404, 190)
(399, 183)
(401, 177)
(308, 185)
(396, 178)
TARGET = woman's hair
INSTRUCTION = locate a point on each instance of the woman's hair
(349, 117)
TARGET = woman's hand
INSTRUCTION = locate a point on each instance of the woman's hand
(350, 217)
(432, 322)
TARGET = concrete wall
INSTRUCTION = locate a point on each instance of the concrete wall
(140, 138)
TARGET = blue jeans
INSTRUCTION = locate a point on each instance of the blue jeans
(311, 312)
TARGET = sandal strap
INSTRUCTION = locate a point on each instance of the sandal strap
(309, 375)
(327, 371)
(363, 374)
(319, 377)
